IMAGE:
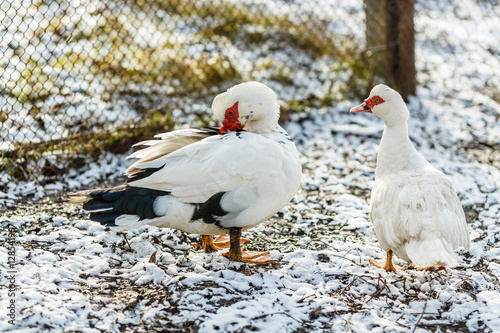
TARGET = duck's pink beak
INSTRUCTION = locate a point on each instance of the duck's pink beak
(361, 108)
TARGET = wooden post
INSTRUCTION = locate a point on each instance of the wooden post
(390, 37)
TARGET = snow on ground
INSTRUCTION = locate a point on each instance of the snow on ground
(76, 275)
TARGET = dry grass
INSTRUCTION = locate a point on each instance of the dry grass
(114, 63)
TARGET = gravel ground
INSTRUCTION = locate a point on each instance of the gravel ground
(74, 275)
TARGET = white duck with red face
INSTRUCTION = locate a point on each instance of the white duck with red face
(249, 106)
(210, 181)
(414, 208)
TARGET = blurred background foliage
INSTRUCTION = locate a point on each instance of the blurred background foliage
(79, 78)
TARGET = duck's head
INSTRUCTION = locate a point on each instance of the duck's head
(251, 106)
(385, 103)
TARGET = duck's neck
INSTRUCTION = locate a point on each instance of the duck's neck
(262, 125)
(396, 151)
(259, 127)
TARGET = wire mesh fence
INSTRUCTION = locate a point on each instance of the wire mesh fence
(80, 77)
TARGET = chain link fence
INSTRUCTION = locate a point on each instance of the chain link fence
(81, 77)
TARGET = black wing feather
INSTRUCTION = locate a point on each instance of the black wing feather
(143, 174)
(109, 204)
(104, 218)
(210, 211)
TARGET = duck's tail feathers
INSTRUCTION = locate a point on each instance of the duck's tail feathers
(107, 205)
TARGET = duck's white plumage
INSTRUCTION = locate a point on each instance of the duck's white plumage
(414, 208)
(206, 182)
(258, 173)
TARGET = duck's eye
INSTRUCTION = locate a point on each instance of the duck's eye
(230, 113)
(377, 100)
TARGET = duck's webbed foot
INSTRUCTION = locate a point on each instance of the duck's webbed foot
(236, 253)
(388, 266)
(429, 268)
(251, 257)
(221, 242)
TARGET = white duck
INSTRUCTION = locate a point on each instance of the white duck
(209, 181)
(414, 207)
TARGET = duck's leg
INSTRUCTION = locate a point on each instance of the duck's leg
(388, 266)
(221, 242)
(430, 268)
(224, 241)
(236, 253)
(207, 243)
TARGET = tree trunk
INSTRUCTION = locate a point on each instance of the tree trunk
(390, 37)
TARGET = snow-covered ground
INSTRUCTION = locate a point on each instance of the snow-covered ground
(76, 275)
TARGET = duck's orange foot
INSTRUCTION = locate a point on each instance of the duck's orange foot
(429, 268)
(251, 257)
(388, 266)
(221, 242)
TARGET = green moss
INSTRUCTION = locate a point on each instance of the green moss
(22, 162)
(120, 64)
(362, 68)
